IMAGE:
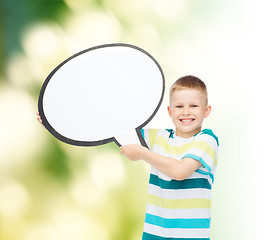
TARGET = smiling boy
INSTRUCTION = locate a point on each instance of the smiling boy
(183, 163)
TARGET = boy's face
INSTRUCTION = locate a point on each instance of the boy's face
(188, 108)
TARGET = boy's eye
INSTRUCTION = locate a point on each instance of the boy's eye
(194, 106)
(179, 106)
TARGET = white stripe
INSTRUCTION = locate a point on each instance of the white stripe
(178, 213)
(199, 175)
(176, 232)
(179, 194)
(213, 169)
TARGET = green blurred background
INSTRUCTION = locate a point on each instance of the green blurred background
(53, 191)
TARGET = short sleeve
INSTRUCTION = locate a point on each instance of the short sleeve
(149, 136)
(204, 148)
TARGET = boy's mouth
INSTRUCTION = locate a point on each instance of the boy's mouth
(186, 120)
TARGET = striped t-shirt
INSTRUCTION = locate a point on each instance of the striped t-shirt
(178, 210)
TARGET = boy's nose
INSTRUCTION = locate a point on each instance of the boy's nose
(186, 111)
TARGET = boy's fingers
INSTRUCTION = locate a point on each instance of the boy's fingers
(122, 151)
(40, 120)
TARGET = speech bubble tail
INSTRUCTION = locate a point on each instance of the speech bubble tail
(131, 137)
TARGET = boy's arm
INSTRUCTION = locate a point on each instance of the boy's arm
(178, 170)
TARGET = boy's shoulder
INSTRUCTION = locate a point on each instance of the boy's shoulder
(208, 133)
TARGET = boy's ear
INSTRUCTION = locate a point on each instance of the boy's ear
(169, 111)
(207, 111)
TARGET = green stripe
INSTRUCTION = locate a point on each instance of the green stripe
(177, 222)
(183, 184)
(143, 133)
(148, 236)
(171, 133)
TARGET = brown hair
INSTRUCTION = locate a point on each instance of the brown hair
(191, 82)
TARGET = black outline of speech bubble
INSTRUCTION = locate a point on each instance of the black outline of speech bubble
(104, 141)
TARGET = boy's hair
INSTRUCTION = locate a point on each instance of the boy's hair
(190, 82)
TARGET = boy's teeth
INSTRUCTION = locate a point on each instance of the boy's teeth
(186, 120)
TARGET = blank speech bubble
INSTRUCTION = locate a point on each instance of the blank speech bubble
(102, 94)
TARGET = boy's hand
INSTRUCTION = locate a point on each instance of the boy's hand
(134, 152)
(40, 120)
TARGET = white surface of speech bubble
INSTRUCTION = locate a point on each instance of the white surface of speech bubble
(102, 94)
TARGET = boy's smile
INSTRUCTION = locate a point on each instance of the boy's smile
(188, 108)
(187, 120)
